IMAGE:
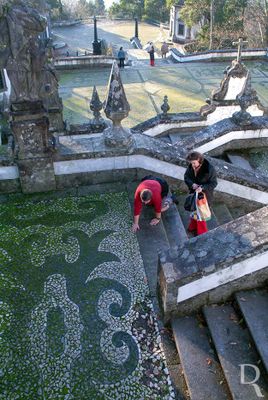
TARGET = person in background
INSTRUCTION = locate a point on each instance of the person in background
(164, 50)
(200, 176)
(121, 55)
(151, 53)
(152, 191)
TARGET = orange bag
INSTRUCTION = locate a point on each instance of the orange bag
(202, 208)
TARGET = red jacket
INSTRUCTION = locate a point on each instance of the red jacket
(156, 200)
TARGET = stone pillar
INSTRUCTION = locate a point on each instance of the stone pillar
(136, 28)
(33, 147)
(49, 93)
(116, 108)
(96, 44)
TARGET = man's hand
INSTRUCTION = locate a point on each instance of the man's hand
(195, 186)
(198, 189)
(135, 227)
(154, 221)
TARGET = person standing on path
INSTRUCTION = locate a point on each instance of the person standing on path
(151, 52)
(121, 55)
(200, 176)
(164, 50)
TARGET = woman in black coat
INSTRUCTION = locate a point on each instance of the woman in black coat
(200, 176)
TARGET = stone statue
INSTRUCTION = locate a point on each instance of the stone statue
(21, 53)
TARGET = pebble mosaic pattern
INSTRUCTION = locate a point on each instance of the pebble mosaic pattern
(76, 321)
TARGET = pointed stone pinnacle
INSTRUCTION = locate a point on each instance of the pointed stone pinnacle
(116, 108)
(95, 104)
(116, 105)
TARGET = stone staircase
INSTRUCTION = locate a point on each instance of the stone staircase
(227, 350)
(220, 213)
(225, 346)
(222, 349)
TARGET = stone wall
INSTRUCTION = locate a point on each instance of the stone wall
(84, 161)
(217, 55)
(199, 272)
(83, 62)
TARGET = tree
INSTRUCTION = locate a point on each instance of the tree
(57, 8)
(221, 22)
(256, 22)
(195, 12)
(130, 8)
(156, 9)
(83, 9)
(99, 7)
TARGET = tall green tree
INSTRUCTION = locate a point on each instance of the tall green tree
(83, 9)
(256, 22)
(156, 9)
(220, 24)
(99, 7)
(131, 8)
(195, 12)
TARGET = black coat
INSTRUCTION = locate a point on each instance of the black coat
(206, 177)
(151, 52)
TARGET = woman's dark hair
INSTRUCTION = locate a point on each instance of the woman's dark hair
(194, 155)
(121, 48)
(146, 195)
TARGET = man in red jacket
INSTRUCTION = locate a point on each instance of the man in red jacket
(152, 191)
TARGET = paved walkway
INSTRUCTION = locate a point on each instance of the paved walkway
(76, 319)
(118, 33)
(186, 85)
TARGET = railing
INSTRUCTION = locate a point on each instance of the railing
(214, 55)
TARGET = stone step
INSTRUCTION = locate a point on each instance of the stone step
(150, 249)
(222, 213)
(202, 370)
(185, 215)
(234, 348)
(239, 161)
(213, 222)
(238, 211)
(254, 307)
(174, 227)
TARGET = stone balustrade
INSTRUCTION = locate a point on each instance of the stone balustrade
(210, 268)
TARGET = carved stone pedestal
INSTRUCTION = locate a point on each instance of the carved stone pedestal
(118, 137)
(33, 147)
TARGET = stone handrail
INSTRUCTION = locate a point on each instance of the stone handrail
(82, 61)
(200, 272)
(212, 55)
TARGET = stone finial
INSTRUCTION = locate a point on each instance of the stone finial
(165, 107)
(247, 97)
(95, 105)
(116, 108)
